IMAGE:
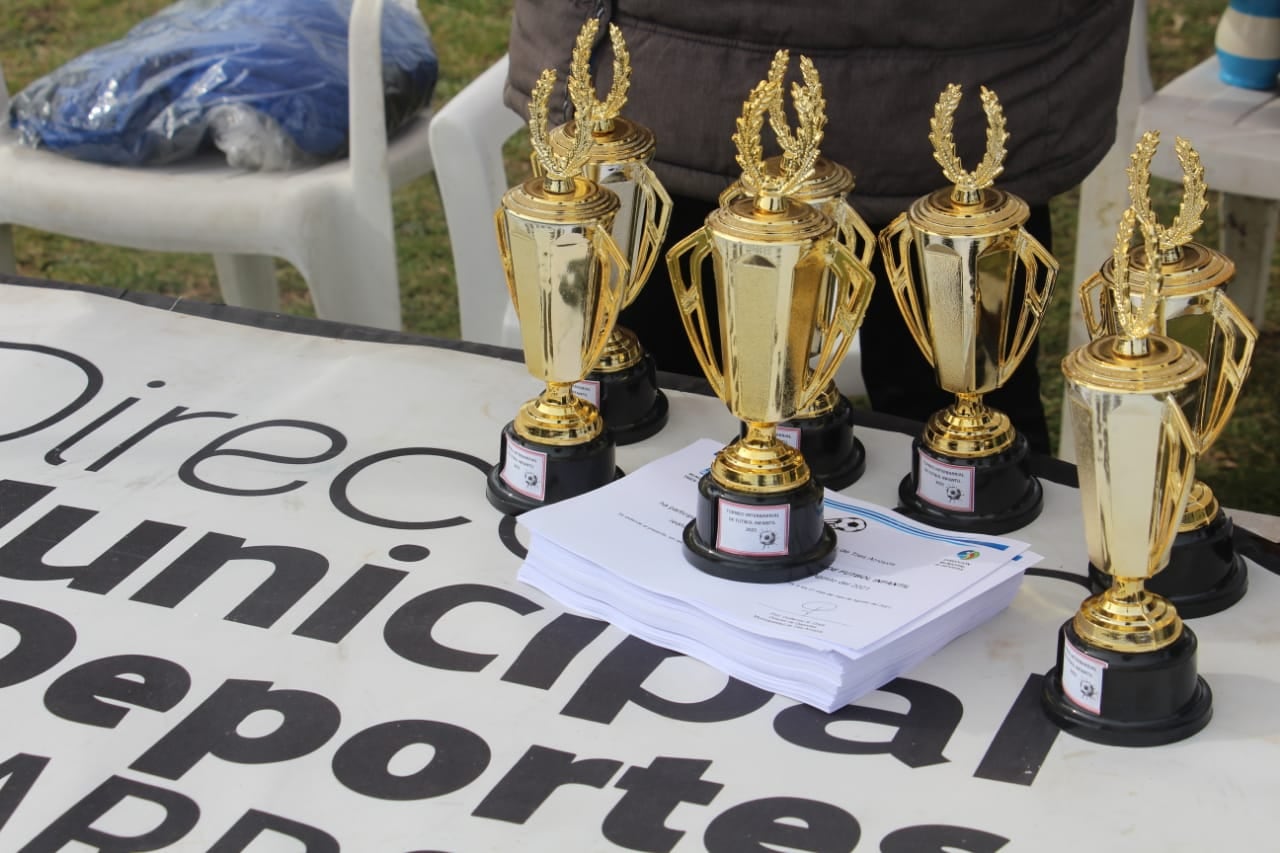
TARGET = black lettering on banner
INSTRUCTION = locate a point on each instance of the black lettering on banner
(294, 571)
(919, 737)
(350, 603)
(532, 780)
(76, 824)
(77, 694)
(638, 821)
(16, 497)
(342, 502)
(1022, 742)
(552, 649)
(939, 838)
(93, 384)
(408, 631)
(619, 680)
(24, 556)
(175, 415)
(792, 823)
(507, 536)
(307, 721)
(54, 456)
(17, 776)
(187, 471)
(251, 826)
(363, 763)
(44, 638)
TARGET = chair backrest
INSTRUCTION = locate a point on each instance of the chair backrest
(368, 117)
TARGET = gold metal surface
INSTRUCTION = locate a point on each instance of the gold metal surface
(1135, 451)
(972, 284)
(618, 158)
(1193, 307)
(789, 294)
(567, 279)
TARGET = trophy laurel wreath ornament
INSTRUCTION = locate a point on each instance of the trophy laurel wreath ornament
(789, 298)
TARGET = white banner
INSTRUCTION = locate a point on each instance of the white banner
(252, 597)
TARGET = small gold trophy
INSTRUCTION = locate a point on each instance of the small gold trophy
(823, 430)
(624, 381)
(1205, 574)
(567, 279)
(779, 267)
(973, 301)
(1126, 664)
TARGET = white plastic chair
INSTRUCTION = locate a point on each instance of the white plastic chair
(467, 136)
(333, 222)
(1237, 133)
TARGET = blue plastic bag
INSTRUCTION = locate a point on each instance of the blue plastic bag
(264, 80)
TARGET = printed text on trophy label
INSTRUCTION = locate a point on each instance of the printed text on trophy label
(1082, 678)
(525, 470)
(949, 486)
(757, 531)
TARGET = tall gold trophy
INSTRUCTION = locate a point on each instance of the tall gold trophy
(972, 285)
(823, 430)
(778, 267)
(1205, 574)
(1126, 664)
(623, 383)
(567, 279)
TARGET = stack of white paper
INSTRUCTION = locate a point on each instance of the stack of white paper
(897, 592)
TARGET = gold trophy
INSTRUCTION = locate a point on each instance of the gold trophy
(623, 383)
(779, 267)
(1126, 664)
(823, 430)
(567, 280)
(973, 301)
(1205, 574)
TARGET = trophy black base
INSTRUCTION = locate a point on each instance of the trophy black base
(990, 494)
(631, 402)
(1205, 575)
(568, 471)
(1145, 699)
(836, 458)
(736, 535)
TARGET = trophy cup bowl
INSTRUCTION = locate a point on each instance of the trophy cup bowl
(823, 430)
(1205, 575)
(567, 281)
(759, 515)
(623, 382)
(972, 285)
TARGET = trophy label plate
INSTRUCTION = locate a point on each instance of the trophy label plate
(525, 470)
(753, 531)
(1082, 677)
(945, 485)
(589, 390)
(789, 436)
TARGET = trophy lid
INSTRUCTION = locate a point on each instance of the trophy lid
(1103, 365)
(827, 180)
(793, 221)
(992, 212)
(621, 141)
(1186, 270)
(583, 201)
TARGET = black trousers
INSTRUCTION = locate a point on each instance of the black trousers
(899, 381)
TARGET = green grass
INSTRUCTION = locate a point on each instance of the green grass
(38, 35)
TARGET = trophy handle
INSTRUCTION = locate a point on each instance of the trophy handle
(1095, 305)
(1232, 354)
(850, 295)
(897, 265)
(698, 247)
(657, 215)
(1184, 446)
(1036, 289)
(857, 235)
(612, 269)
(504, 252)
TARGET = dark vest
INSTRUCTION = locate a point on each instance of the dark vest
(1056, 67)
